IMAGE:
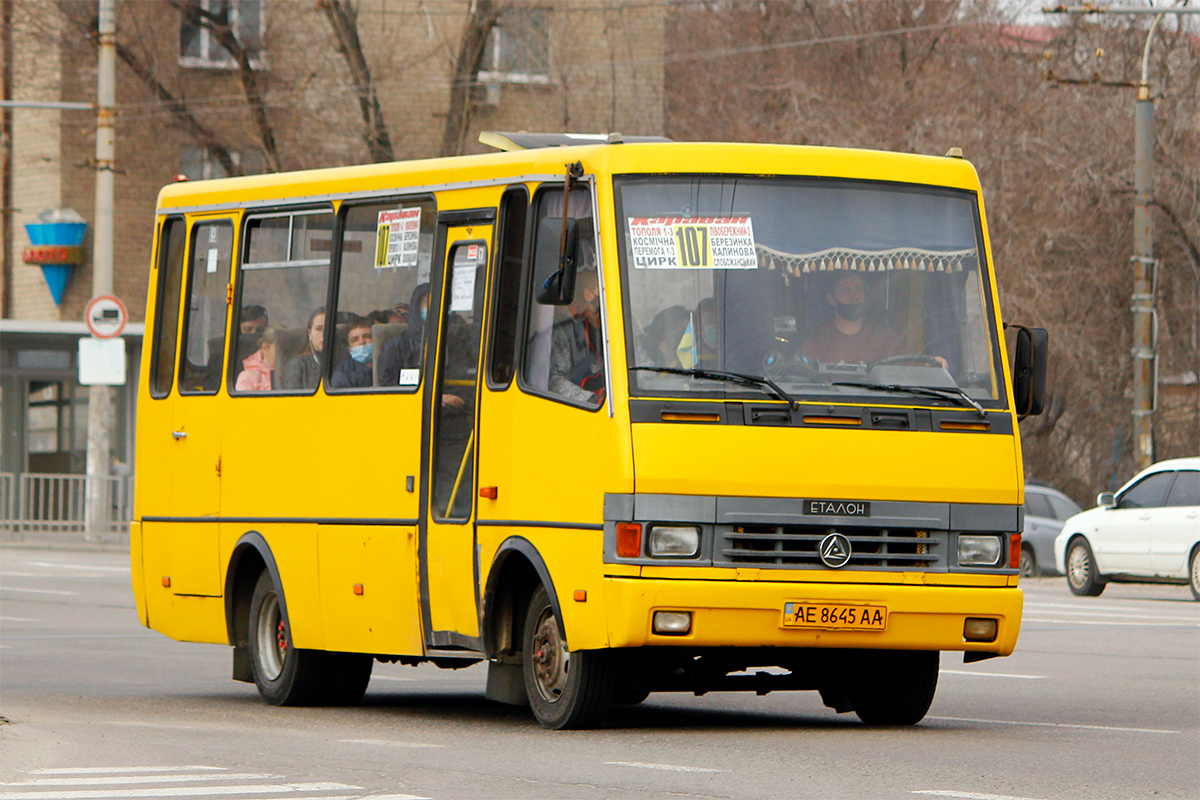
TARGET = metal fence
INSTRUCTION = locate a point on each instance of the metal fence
(47, 503)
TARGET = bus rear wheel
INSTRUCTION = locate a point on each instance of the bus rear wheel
(566, 690)
(284, 675)
(894, 687)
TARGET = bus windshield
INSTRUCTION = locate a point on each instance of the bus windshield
(828, 289)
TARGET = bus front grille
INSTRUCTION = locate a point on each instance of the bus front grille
(797, 546)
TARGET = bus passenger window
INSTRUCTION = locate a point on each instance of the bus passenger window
(166, 336)
(564, 350)
(510, 256)
(383, 284)
(283, 285)
(204, 335)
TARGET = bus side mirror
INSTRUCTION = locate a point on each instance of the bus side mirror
(1029, 370)
(556, 257)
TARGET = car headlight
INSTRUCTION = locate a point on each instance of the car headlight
(979, 551)
(674, 541)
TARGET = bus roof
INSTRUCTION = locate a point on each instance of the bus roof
(548, 163)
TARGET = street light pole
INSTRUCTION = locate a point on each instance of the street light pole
(1145, 267)
(100, 398)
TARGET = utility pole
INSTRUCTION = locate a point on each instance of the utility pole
(1145, 267)
(100, 398)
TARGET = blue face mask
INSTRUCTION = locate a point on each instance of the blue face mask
(424, 314)
(363, 352)
(708, 335)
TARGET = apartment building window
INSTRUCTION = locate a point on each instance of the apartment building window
(200, 20)
(518, 49)
(201, 163)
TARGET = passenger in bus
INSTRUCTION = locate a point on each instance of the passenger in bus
(576, 351)
(406, 351)
(355, 371)
(253, 319)
(258, 368)
(663, 335)
(706, 333)
(303, 371)
(851, 337)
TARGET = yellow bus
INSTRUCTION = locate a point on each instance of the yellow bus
(614, 415)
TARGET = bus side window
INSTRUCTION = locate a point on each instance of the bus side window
(564, 353)
(204, 324)
(166, 310)
(514, 206)
(284, 280)
(383, 282)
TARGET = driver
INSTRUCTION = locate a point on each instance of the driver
(850, 338)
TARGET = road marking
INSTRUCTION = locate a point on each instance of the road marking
(115, 770)
(1105, 613)
(180, 791)
(390, 678)
(1052, 725)
(1181, 624)
(664, 767)
(84, 567)
(992, 674)
(110, 780)
(35, 591)
(18, 619)
(970, 795)
(386, 743)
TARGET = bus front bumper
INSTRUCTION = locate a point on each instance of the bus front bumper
(752, 614)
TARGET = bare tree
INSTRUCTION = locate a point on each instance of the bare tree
(483, 17)
(343, 19)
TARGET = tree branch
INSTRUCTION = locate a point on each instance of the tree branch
(343, 18)
(466, 66)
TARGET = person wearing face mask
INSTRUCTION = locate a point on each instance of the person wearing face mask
(850, 337)
(303, 371)
(576, 351)
(355, 371)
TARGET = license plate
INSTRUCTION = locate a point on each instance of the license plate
(827, 616)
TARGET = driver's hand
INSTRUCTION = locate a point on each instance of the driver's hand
(452, 401)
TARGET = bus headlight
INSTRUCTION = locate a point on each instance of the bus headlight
(674, 541)
(978, 551)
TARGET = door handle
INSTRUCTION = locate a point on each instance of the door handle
(178, 434)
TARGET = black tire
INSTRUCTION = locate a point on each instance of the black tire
(1082, 576)
(1029, 565)
(893, 687)
(566, 690)
(349, 675)
(284, 675)
(1194, 572)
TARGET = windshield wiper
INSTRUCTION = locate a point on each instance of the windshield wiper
(767, 385)
(955, 394)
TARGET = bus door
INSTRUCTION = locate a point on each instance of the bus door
(195, 432)
(449, 570)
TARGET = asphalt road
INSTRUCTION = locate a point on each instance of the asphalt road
(1101, 700)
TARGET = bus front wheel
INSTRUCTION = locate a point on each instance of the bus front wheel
(284, 675)
(566, 690)
(894, 687)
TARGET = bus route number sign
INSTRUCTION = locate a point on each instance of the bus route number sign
(105, 316)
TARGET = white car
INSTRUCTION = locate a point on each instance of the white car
(1148, 532)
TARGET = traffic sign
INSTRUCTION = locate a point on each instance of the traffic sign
(105, 316)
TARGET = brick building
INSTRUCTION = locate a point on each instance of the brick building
(185, 106)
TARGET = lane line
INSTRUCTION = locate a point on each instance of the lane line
(992, 674)
(116, 770)
(664, 767)
(386, 743)
(84, 567)
(36, 591)
(1111, 614)
(181, 791)
(18, 619)
(970, 795)
(1188, 624)
(112, 780)
(390, 678)
(1052, 725)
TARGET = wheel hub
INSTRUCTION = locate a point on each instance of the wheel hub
(549, 658)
